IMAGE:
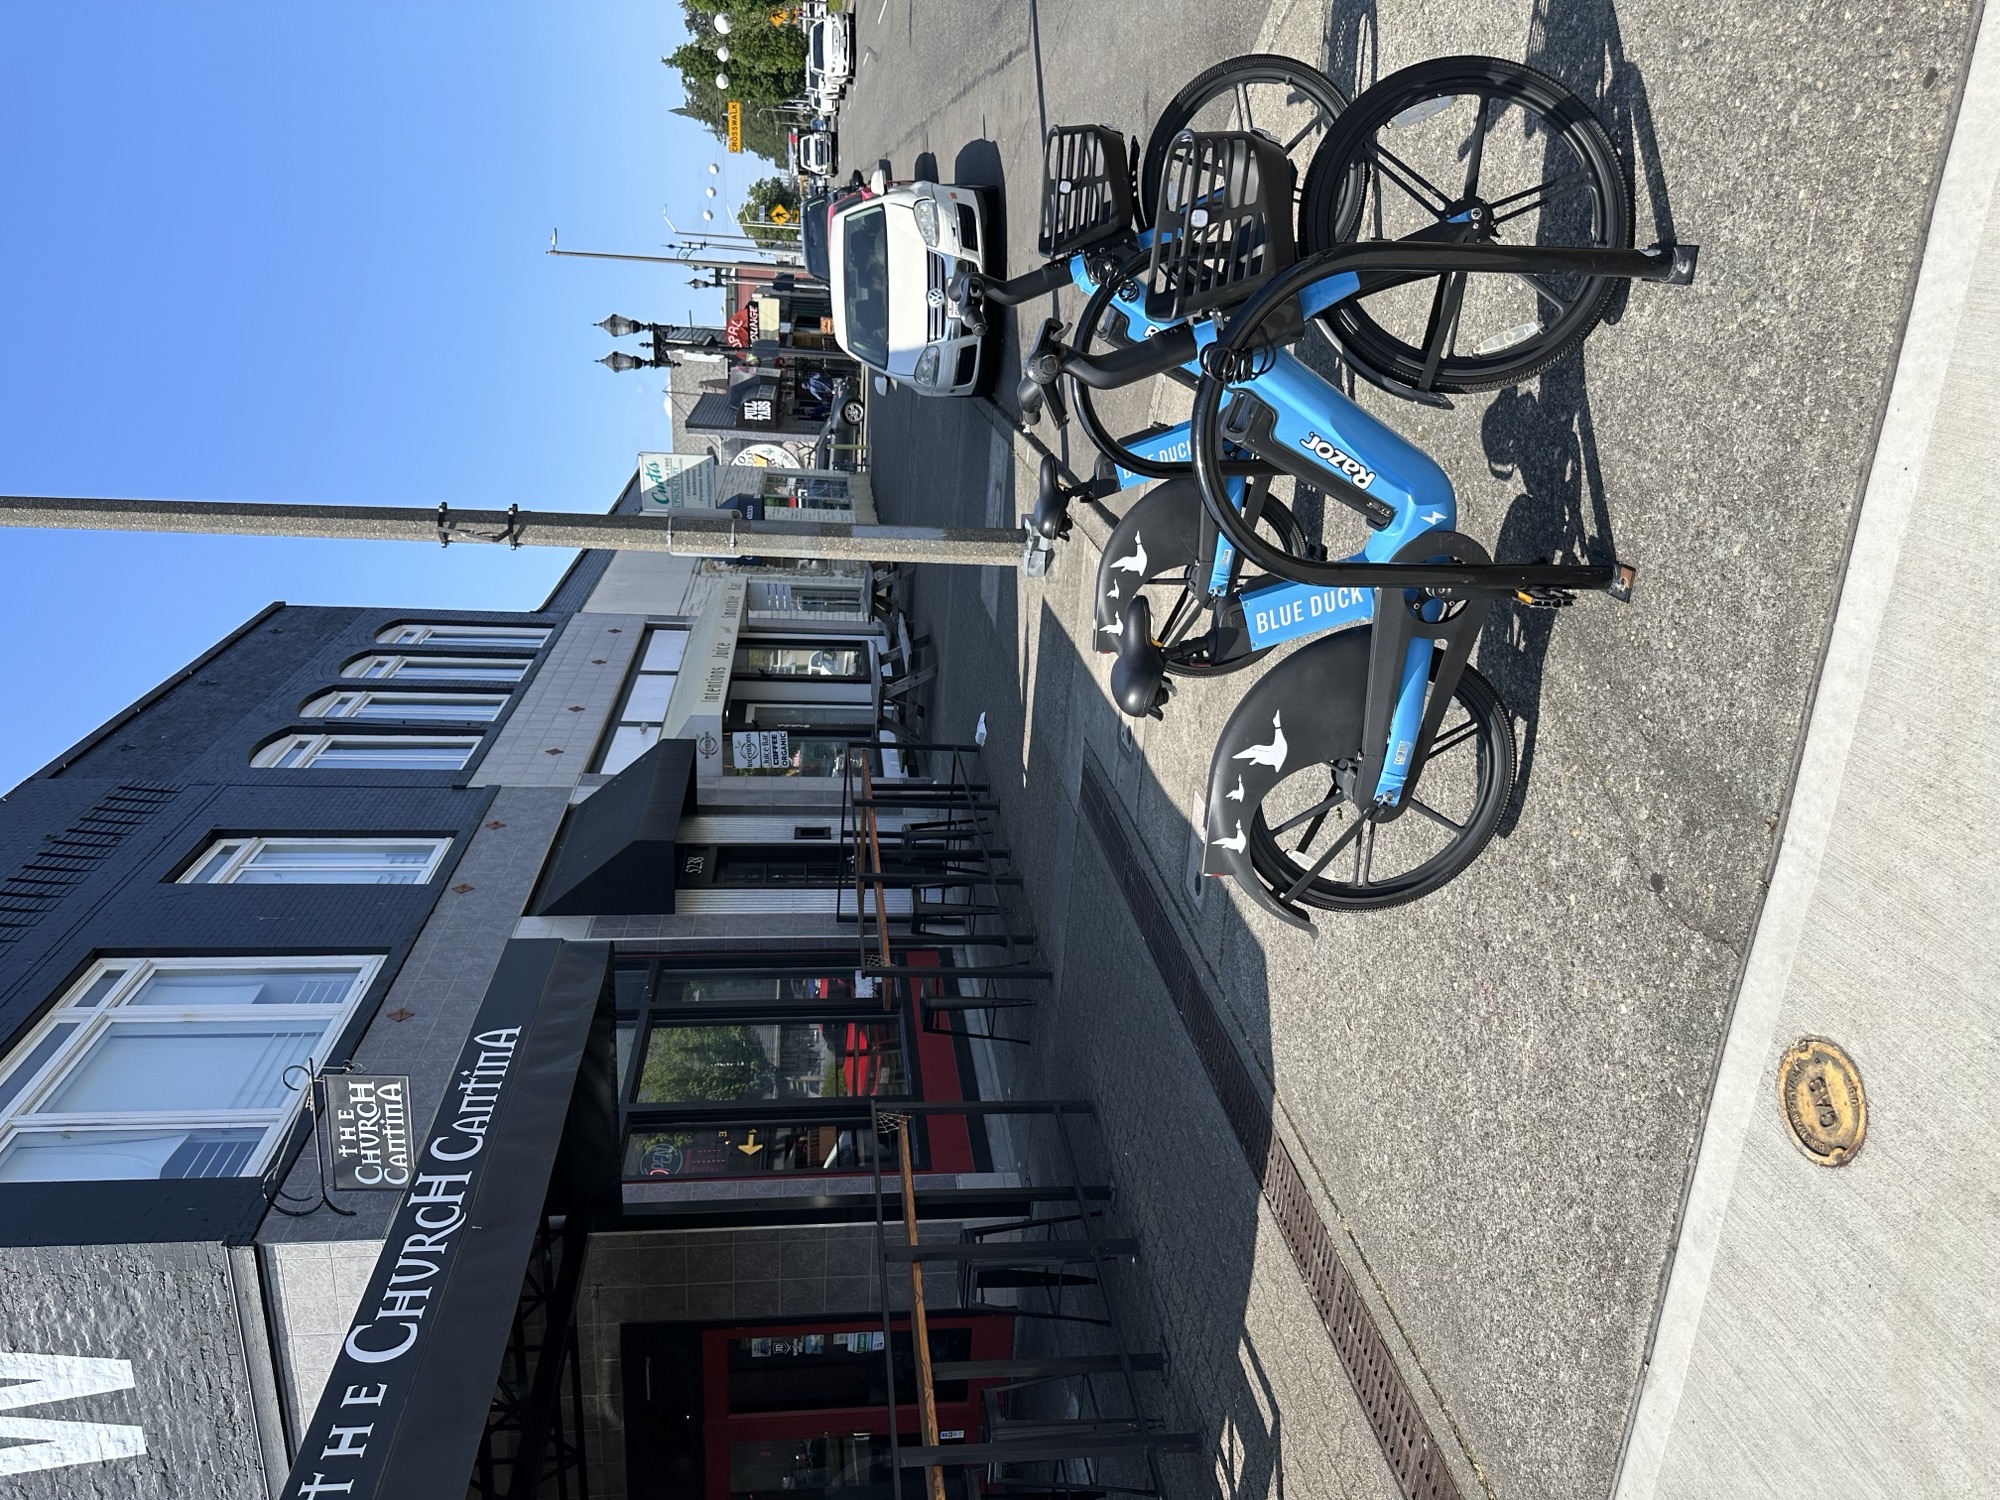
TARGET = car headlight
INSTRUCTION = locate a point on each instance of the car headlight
(927, 225)
(927, 367)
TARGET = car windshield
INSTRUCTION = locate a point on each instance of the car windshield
(819, 49)
(812, 235)
(865, 248)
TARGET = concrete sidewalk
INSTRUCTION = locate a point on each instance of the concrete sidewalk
(1840, 1325)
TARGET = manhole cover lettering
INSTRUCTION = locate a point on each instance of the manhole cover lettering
(1819, 1089)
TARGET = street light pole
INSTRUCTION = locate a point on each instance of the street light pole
(687, 533)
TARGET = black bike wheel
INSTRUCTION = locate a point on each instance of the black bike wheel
(1523, 160)
(1387, 862)
(1279, 98)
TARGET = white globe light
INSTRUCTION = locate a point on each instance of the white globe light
(722, 54)
(711, 192)
(722, 80)
(713, 168)
(724, 25)
(708, 213)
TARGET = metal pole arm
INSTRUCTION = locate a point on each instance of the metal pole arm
(688, 533)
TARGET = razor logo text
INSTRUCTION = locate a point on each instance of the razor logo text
(1333, 458)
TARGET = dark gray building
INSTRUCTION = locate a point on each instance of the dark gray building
(448, 1053)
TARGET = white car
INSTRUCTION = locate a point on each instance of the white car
(829, 56)
(814, 152)
(895, 259)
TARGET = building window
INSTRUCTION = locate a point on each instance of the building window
(452, 708)
(360, 752)
(441, 668)
(643, 710)
(447, 635)
(301, 861)
(826, 660)
(155, 1068)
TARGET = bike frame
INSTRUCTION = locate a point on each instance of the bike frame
(1317, 417)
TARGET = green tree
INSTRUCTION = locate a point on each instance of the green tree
(763, 195)
(705, 1064)
(767, 65)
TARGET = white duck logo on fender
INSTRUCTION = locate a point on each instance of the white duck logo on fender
(1273, 754)
(1333, 458)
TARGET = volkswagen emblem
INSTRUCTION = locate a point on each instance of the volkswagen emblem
(935, 297)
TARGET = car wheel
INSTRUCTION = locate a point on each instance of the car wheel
(852, 413)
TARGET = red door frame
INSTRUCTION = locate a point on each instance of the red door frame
(992, 1338)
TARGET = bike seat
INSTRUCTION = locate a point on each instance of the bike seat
(1139, 675)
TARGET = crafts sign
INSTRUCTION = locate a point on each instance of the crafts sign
(368, 1132)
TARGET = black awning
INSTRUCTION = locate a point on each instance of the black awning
(406, 1405)
(615, 854)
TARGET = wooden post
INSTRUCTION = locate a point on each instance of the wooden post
(919, 1327)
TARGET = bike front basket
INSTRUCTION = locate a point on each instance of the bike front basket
(1224, 225)
(1086, 189)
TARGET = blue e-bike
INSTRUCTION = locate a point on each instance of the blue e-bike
(1313, 796)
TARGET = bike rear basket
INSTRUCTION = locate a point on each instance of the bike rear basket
(1224, 225)
(1086, 189)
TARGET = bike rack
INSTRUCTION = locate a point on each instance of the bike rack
(939, 850)
(1059, 1265)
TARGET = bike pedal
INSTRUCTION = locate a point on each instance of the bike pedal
(1545, 598)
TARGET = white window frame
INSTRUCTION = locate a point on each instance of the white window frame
(356, 703)
(225, 860)
(383, 666)
(88, 1024)
(630, 722)
(442, 633)
(297, 752)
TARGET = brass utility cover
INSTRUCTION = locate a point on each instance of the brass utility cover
(1819, 1089)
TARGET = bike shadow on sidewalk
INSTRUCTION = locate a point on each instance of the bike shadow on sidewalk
(1547, 439)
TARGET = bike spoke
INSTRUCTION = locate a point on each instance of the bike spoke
(1243, 107)
(1318, 809)
(1478, 149)
(1435, 816)
(1530, 199)
(1364, 853)
(1543, 289)
(1315, 123)
(1441, 336)
(1404, 174)
(1179, 618)
(1455, 736)
(1312, 874)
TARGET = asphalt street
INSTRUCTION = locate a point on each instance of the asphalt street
(1495, 1093)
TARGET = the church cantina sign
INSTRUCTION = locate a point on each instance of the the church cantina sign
(368, 1132)
(424, 1240)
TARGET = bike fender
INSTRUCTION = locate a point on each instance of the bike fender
(1160, 534)
(1307, 710)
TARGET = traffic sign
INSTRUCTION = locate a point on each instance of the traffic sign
(735, 126)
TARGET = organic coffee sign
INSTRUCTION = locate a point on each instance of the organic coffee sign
(368, 1132)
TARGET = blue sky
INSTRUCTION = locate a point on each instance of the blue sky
(286, 252)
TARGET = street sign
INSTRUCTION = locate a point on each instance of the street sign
(735, 126)
(780, 214)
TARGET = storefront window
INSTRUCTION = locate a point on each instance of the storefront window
(802, 659)
(777, 1060)
(804, 756)
(822, 1371)
(747, 1150)
(855, 1468)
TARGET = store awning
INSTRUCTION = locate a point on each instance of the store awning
(615, 855)
(404, 1410)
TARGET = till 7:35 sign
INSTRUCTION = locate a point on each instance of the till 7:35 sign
(735, 126)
